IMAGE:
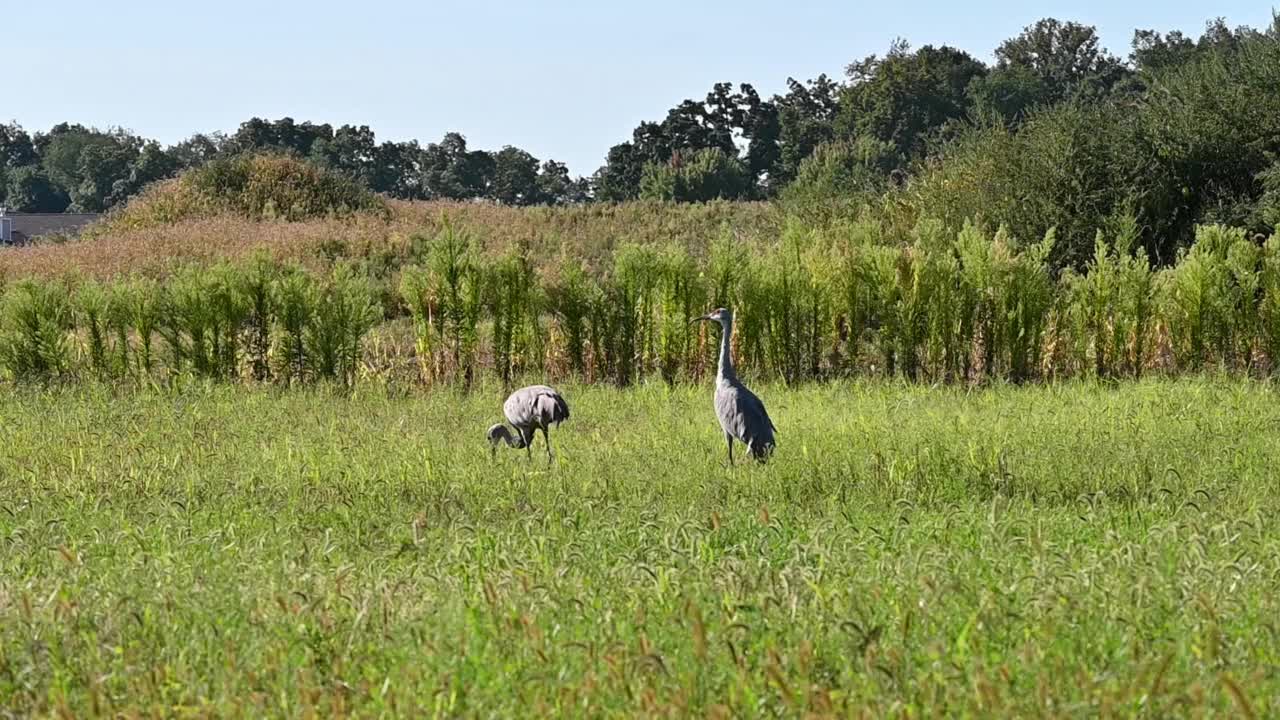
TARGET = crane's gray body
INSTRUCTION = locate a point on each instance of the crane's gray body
(742, 415)
(743, 418)
(529, 409)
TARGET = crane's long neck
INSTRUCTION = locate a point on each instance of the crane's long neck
(515, 440)
(501, 433)
(725, 371)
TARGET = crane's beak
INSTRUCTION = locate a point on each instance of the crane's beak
(700, 319)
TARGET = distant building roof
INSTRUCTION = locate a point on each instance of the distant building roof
(25, 227)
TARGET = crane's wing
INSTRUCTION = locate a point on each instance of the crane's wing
(551, 408)
(536, 405)
(743, 416)
(764, 413)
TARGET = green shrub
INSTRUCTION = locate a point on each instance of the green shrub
(680, 297)
(570, 297)
(142, 302)
(1209, 299)
(293, 299)
(1066, 167)
(838, 178)
(514, 305)
(256, 286)
(266, 187)
(1269, 306)
(446, 300)
(700, 176)
(1112, 304)
(90, 306)
(345, 309)
(35, 342)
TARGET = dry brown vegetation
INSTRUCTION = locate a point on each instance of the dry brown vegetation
(587, 232)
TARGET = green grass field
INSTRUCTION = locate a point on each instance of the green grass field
(1054, 551)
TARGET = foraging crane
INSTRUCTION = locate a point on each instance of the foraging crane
(529, 409)
(742, 415)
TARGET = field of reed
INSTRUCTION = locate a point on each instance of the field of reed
(850, 300)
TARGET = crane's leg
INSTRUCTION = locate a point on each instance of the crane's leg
(729, 439)
(527, 436)
(547, 439)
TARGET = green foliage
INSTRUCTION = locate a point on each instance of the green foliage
(1207, 129)
(224, 322)
(1210, 297)
(626, 321)
(1269, 306)
(293, 299)
(142, 302)
(35, 342)
(1065, 59)
(278, 187)
(446, 299)
(1027, 300)
(680, 297)
(265, 187)
(28, 189)
(118, 316)
(703, 132)
(187, 323)
(839, 177)
(515, 306)
(1112, 304)
(708, 174)
(1064, 168)
(925, 303)
(344, 309)
(256, 286)
(571, 297)
(905, 96)
(90, 303)
(1268, 210)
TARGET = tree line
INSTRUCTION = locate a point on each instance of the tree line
(1057, 132)
(80, 169)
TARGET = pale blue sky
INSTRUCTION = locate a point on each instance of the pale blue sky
(558, 78)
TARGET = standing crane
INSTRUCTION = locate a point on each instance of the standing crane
(742, 415)
(529, 409)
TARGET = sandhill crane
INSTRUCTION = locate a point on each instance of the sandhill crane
(529, 409)
(742, 415)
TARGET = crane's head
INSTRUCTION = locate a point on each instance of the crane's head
(502, 434)
(496, 434)
(724, 316)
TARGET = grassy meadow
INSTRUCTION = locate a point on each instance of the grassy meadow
(1076, 549)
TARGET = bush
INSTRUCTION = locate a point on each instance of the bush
(570, 297)
(707, 174)
(446, 299)
(840, 177)
(1210, 299)
(1267, 213)
(1067, 168)
(1207, 129)
(1111, 305)
(261, 187)
(345, 309)
(35, 341)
